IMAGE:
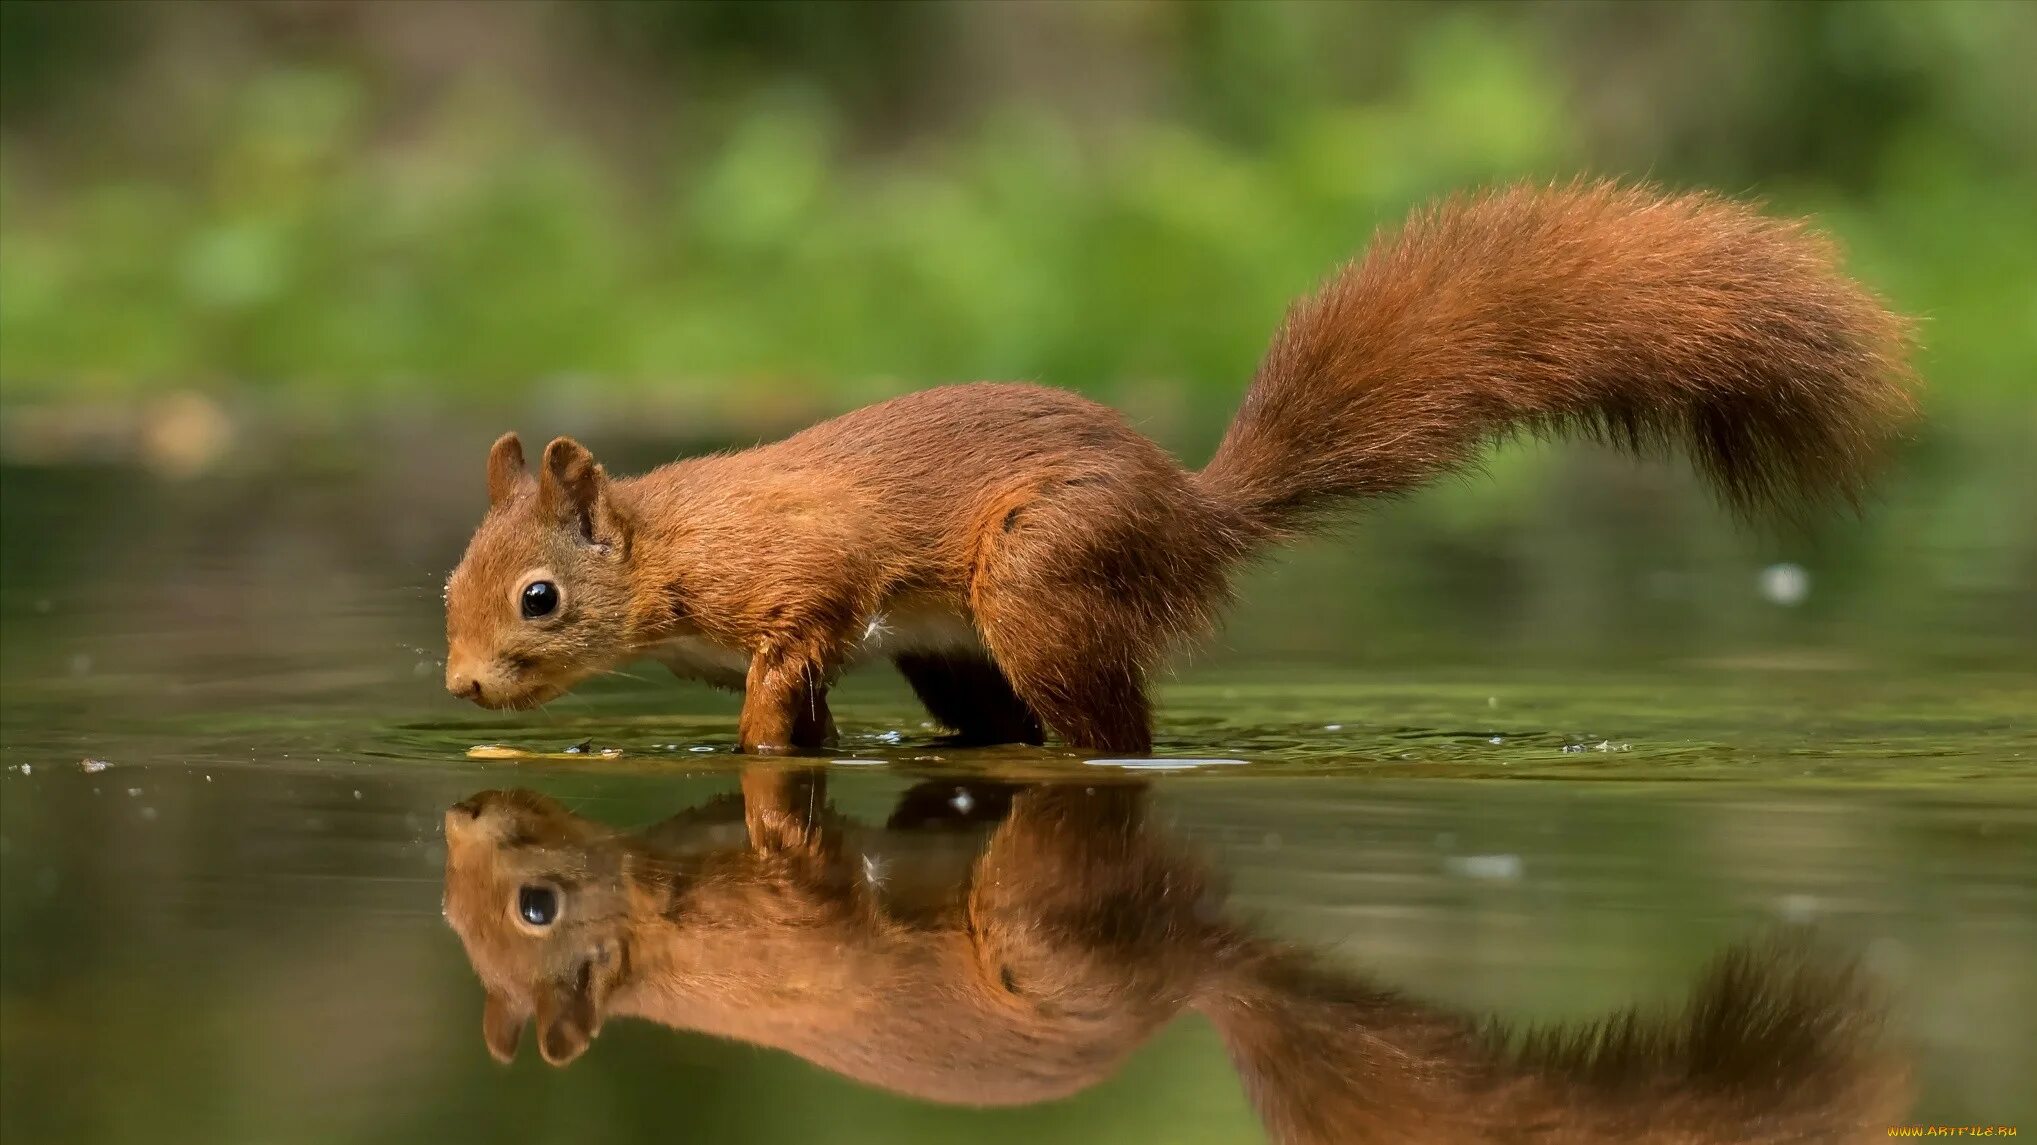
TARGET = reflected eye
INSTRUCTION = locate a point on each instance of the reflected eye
(540, 598)
(539, 906)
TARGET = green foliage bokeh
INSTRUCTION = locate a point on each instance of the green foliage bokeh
(277, 239)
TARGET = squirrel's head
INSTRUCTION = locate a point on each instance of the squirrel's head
(541, 899)
(541, 599)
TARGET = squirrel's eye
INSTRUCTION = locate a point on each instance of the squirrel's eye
(540, 598)
(539, 906)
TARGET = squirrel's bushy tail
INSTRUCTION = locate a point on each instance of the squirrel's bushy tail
(1777, 1045)
(1619, 313)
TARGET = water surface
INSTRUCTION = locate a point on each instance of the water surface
(1538, 750)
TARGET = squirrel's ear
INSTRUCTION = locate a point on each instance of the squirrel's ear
(569, 1012)
(501, 1025)
(505, 467)
(574, 488)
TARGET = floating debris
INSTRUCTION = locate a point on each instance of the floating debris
(94, 766)
(857, 762)
(1164, 764)
(581, 748)
(25, 769)
(504, 751)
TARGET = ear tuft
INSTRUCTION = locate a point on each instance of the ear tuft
(573, 484)
(505, 467)
(569, 1011)
(560, 1044)
(501, 1026)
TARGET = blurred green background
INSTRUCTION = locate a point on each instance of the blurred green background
(272, 274)
(332, 202)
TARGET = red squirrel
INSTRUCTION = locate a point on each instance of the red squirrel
(1025, 557)
(1074, 935)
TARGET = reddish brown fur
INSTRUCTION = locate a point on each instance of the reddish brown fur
(1077, 933)
(1047, 554)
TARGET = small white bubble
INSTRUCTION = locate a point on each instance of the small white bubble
(133, 791)
(1495, 868)
(26, 769)
(963, 802)
(1797, 907)
(1496, 739)
(148, 813)
(1333, 727)
(357, 795)
(1785, 584)
(94, 766)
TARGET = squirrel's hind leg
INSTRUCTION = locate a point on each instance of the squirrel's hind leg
(1095, 706)
(1074, 660)
(1073, 606)
(970, 697)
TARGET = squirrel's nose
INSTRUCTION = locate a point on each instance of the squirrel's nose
(463, 685)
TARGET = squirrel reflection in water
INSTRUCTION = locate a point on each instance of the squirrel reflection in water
(1030, 967)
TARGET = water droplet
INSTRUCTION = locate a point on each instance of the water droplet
(1785, 584)
(1495, 868)
(1797, 907)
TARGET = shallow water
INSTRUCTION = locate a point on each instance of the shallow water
(1538, 753)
